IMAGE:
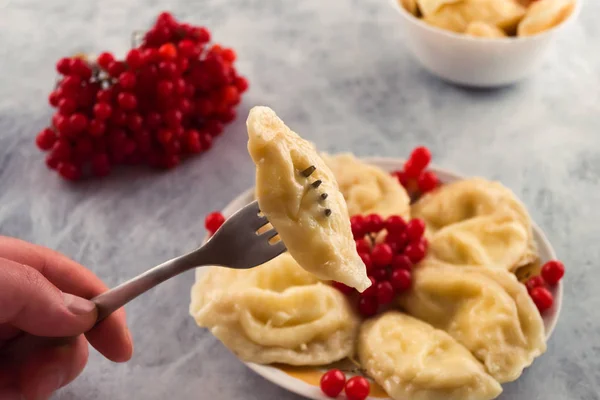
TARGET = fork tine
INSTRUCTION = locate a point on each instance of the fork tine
(270, 234)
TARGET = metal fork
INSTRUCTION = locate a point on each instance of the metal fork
(236, 244)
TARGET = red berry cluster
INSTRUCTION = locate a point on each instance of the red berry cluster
(414, 177)
(213, 222)
(389, 263)
(334, 381)
(168, 99)
(552, 272)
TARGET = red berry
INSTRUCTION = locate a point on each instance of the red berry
(167, 51)
(401, 280)
(420, 156)
(192, 141)
(127, 80)
(363, 246)
(105, 59)
(213, 221)
(164, 136)
(381, 274)
(104, 96)
(206, 141)
(553, 271)
(167, 69)
(69, 171)
(80, 68)
(63, 66)
(164, 88)
(118, 118)
(382, 255)
(385, 293)
(332, 382)
(366, 259)
(100, 165)
(416, 251)
(116, 68)
(411, 170)
(374, 223)
(397, 241)
(395, 224)
(427, 181)
(230, 95)
(172, 118)
(342, 288)
(202, 34)
(70, 83)
(542, 298)
(54, 98)
(45, 139)
(401, 261)
(150, 55)
(134, 59)
(533, 282)
(135, 122)
(61, 150)
(96, 128)
(367, 306)
(78, 123)
(227, 116)
(51, 161)
(127, 101)
(415, 229)
(228, 55)
(241, 83)
(66, 106)
(186, 48)
(402, 178)
(102, 111)
(84, 148)
(357, 223)
(357, 388)
(153, 120)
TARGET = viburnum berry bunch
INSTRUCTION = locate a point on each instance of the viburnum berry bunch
(390, 248)
(334, 381)
(537, 286)
(167, 100)
(415, 177)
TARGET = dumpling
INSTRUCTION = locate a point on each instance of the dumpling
(299, 195)
(412, 360)
(430, 7)
(484, 30)
(486, 310)
(544, 15)
(367, 188)
(275, 313)
(504, 14)
(410, 6)
(497, 240)
(468, 199)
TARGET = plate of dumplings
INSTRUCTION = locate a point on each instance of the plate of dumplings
(466, 326)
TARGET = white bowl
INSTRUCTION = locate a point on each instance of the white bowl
(474, 61)
(305, 381)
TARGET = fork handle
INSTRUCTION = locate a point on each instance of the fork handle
(108, 302)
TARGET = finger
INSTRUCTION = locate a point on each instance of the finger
(47, 371)
(31, 303)
(111, 337)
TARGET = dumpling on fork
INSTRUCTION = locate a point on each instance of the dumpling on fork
(299, 195)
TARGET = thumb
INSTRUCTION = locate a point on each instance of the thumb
(31, 303)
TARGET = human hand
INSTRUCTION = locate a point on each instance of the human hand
(44, 293)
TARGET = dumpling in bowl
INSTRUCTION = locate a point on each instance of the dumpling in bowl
(410, 6)
(300, 197)
(367, 188)
(430, 7)
(484, 30)
(467, 200)
(503, 14)
(486, 310)
(412, 360)
(545, 14)
(497, 240)
(275, 313)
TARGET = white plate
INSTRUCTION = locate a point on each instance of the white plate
(297, 380)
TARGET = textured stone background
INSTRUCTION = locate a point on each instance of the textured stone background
(337, 72)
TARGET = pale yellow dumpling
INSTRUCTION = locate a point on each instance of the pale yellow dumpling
(291, 184)
(430, 7)
(410, 6)
(484, 30)
(545, 14)
(486, 310)
(463, 202)
(412, 360)
(275, 313)
(503, 14)
(367, 188)
(497, 240)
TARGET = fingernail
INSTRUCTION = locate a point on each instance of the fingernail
(49, 382)
(78, 305)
